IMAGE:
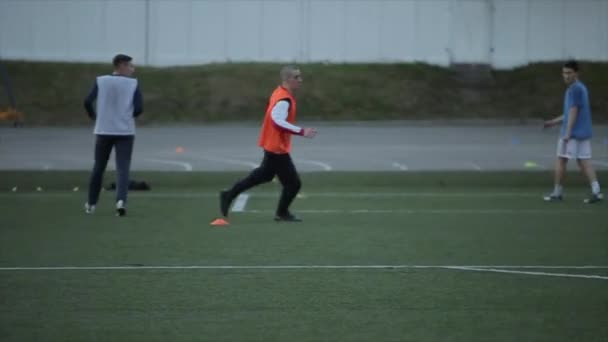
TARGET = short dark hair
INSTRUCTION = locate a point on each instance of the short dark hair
(120, 58)
(572, 64)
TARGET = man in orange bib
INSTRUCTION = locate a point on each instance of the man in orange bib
(275, 139)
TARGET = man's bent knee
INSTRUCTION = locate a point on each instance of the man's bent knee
(296, 185)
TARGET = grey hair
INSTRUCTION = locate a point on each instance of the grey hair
(287, 71)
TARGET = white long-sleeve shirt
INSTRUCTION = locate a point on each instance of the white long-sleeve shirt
(279, 115)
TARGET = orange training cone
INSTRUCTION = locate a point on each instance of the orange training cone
(219, 222)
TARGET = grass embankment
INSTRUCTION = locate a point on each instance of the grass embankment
(52, 93)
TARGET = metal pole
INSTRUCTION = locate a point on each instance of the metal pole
(7, 85)
(491, 38)
(147, 34)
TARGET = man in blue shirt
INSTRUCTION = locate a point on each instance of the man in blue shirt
(575, 134)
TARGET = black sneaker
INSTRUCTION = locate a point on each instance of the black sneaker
(553, 198)
(225, 202)
(289, 217)
(594, 198)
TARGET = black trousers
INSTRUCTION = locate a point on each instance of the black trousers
(123, 148)
(273, 164)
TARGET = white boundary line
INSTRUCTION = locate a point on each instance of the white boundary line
(429, 211)
(400, 166)
(43, 164)
(322, 165)
(475, 166)
(186, 166)
(493, 269)
(240, 203)
(546, 274)
(250, 165)
(489, 268)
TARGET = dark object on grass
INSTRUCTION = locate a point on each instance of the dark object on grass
(133, 185)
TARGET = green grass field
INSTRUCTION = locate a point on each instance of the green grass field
(379, 257)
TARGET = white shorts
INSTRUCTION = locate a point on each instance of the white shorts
(575, 149)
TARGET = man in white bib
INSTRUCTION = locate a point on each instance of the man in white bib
(114, 103)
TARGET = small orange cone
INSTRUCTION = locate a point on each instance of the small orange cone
(219, 222)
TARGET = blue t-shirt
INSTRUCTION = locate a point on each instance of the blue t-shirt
(577, 96)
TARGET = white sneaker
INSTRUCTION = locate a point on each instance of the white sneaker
(594, 198)
(121, 210)
(552, 197)
(89, 209)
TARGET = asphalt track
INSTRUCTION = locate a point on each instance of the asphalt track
(352, 146)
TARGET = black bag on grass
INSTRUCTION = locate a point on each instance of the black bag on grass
(133, 185)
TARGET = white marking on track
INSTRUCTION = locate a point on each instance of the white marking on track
(246, 163)
(185, 165)
(474, 166)
(400, 166)
(324, 166)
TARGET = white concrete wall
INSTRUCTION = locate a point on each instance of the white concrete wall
(504, 33)
(542, 30)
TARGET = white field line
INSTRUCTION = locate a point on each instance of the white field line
(240, 203)
(489, 268)
(475, 166)
(322, 165)
(248, 164)
(430, 211)
(308, 194)
(186, 166)
(545, 274)
(42, 164)
(400, 166)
